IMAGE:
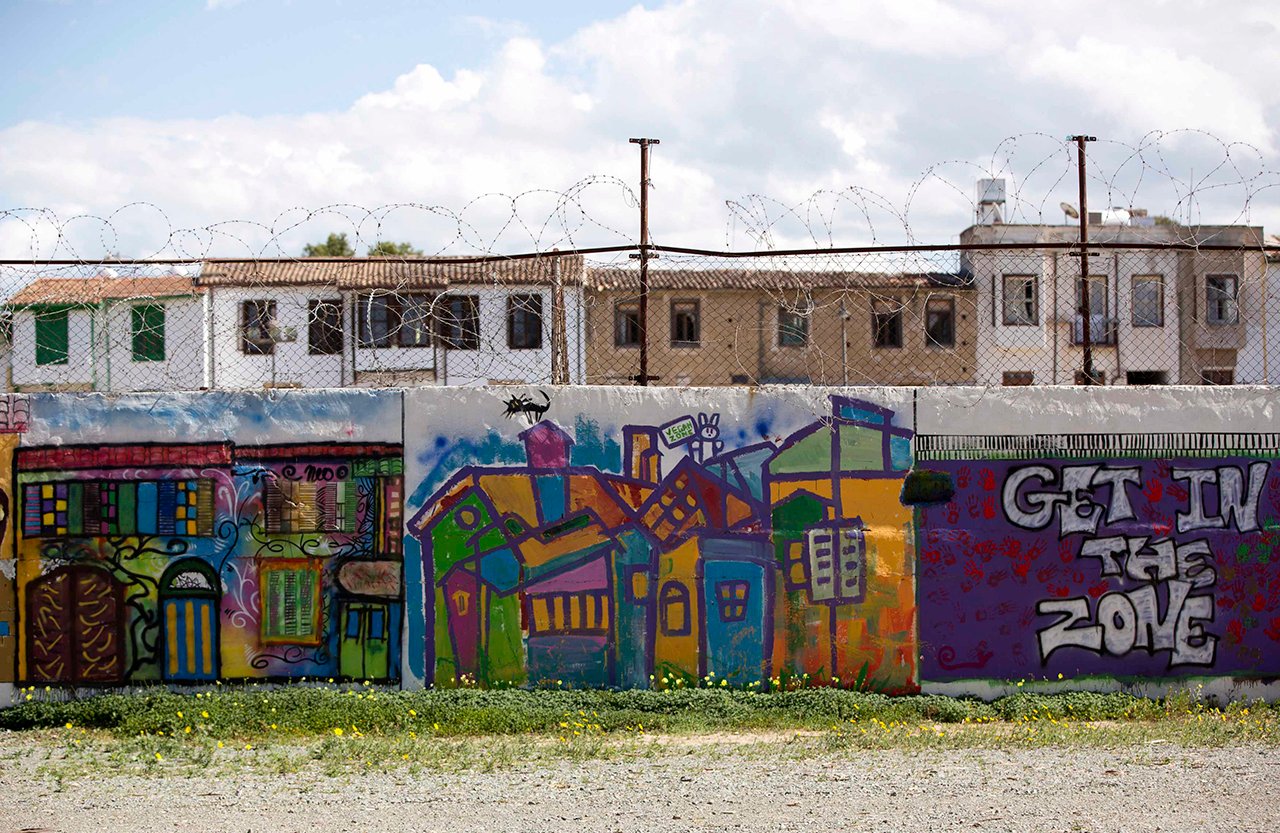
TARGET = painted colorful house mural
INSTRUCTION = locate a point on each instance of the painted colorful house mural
(899, 540)
(190, 563)
(788, 557)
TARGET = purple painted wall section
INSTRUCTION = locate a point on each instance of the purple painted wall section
(1128, 568)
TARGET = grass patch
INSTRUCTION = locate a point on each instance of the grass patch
(333, 730)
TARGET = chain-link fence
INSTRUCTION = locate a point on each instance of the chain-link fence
(1201, 307)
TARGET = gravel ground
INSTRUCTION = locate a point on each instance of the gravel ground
(1146, 789)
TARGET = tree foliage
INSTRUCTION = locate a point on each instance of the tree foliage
(336, 246)
(387, 248)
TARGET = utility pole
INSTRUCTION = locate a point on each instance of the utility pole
(1086, 323)
(643, 376)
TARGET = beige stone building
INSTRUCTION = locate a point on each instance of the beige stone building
(748, 326)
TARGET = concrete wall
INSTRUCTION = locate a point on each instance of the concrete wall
(905, 539)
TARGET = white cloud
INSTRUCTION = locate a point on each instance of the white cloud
(214, 5)
(780, 99)
(1153, 86)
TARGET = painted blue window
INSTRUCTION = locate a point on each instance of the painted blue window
(377, 624)
(353, 624)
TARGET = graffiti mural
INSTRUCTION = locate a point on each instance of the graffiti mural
(1137, 555)
(626, 537)
(137, 560)
(686, 556)
(187, 563)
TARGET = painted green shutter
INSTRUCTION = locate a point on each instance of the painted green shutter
(52, 343)
(148, 333)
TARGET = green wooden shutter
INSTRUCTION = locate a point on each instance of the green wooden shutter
(148, 333)
(52, 343)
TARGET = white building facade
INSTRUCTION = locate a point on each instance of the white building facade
(382, 322)
(109, 334)
(1156, 315)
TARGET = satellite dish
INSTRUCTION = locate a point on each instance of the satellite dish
(1069, 210)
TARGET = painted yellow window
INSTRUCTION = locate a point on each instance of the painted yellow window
(639, 585)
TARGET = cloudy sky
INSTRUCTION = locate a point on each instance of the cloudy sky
(250, 127)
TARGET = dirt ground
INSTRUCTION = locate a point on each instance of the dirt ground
(1151, 788)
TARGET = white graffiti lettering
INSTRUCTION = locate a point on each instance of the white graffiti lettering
(1232, 502)
(1073, 501)
(1172, 603)
(1124, 621)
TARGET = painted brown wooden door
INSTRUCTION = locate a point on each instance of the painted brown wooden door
(76, 631)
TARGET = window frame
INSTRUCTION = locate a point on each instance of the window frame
(1134, 320)
(321, 332)
(278, 635)
(1210, 317)
(1033, 281)
(800, 333)
(694, 306)
(622, 310)
(950, 305)
(730, 605)
(144, 334)
(420, 309)
(458, 332)
(1092, 281)
(674, 596)
(523, 309)
(254, 347)
(59, 351)
(380, 309)
(880, 316)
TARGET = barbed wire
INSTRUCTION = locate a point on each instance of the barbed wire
(471, 306)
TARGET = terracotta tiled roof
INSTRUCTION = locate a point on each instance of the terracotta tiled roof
(386, 273)
(766, 279)
(96, 290)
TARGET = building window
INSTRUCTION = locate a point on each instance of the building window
(52, 340)
(524, 322)
(147, 330)
(1218, 376)
(290, 603)
(379, 318)
(1018, 378)
(793, 327)
(686, 324)
(390, 320)
(886, 323)
(1097, 296)
(1220, 299)
(626, 325)
(256, 320)
(1020, 301)
(940, 322)
(1148, 301)
(416, 311)
(731, 599)
(459, 323)
(324, 328)
(673, 610)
